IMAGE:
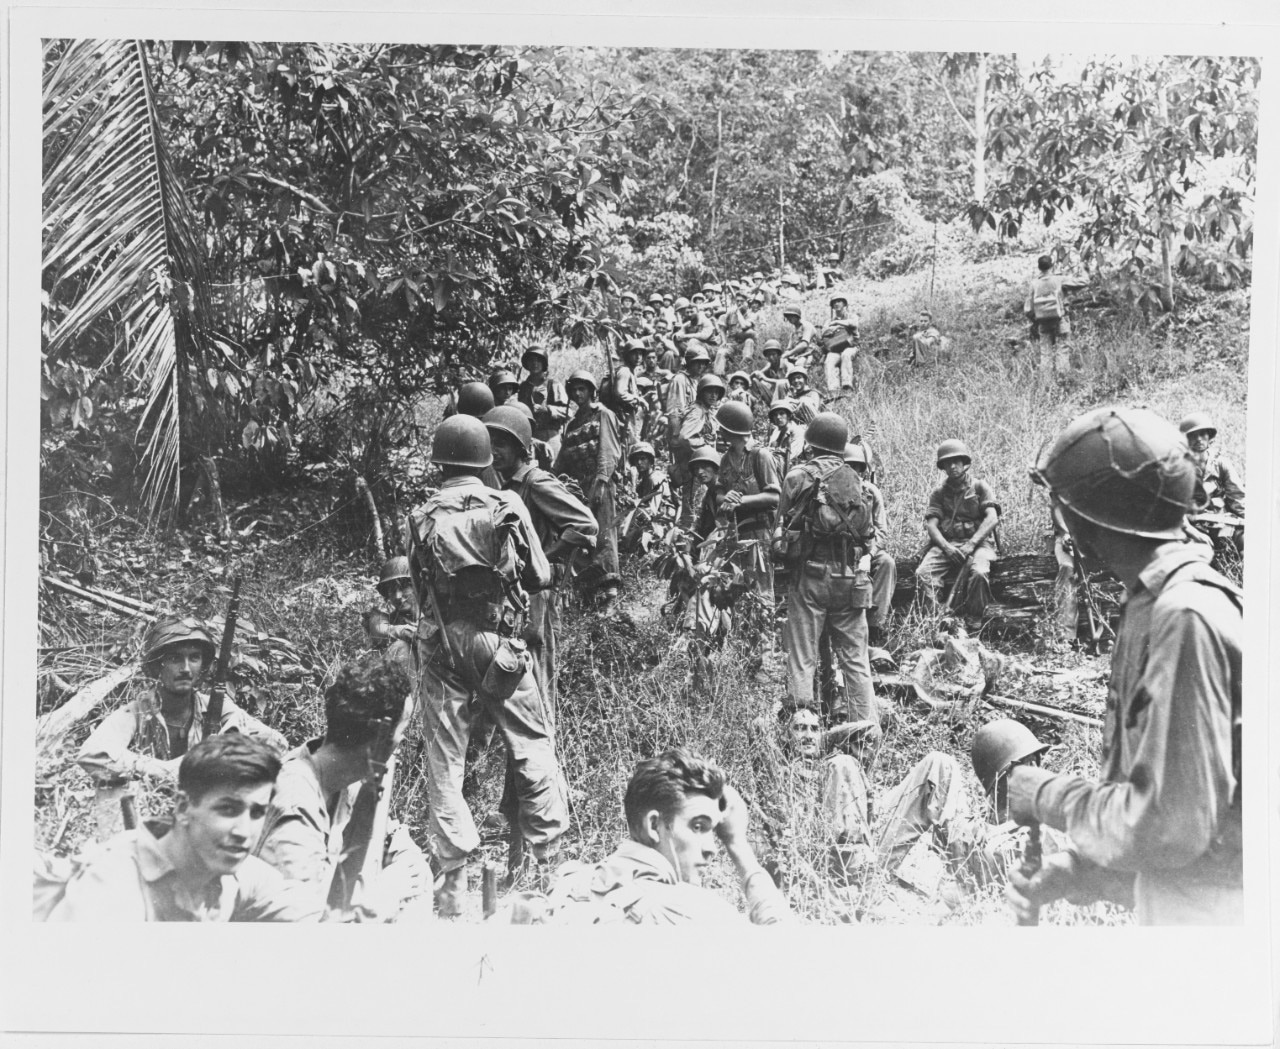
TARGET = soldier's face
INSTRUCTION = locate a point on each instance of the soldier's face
(400, 592)
(178, 668)
(704, 473)
(661, 326)
(1200, 441)
(644, 465)
(535, 366)
(798, 383)
(839, 309)
(580, 393)
(806, 733)
(688, 313)
(689, 840)
(956, 469)
(780, 419)
(506, 453)
(222, 827)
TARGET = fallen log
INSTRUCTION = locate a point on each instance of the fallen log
(102, 598)
(1038, 708)
(58, 722)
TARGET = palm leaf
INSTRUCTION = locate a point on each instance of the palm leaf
(121, 242)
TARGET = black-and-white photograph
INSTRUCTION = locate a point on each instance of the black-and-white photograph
(567, 485)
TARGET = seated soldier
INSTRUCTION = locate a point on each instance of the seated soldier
(149, 736)
(808, 402)
(679, 809)
(654, 500)
(1219, 486)
(202, 867)
(928, 344)
(804, 337)
(770, 382)
(840, 347)
(961, 520)
(786, 437)
(319, 826)
(397, 632)
(740, 389)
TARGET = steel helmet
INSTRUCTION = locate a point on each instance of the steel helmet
(695, 352)
(855, 454)
(633, 346)
(511, 421)
(838, 298)
(580, 377)
(791, 311)
(772, 346)
(827, 433)
(740, 375)
(710, 382)
(782, 404)
(474, 398)
(1198, 422)
(534, 351)
(655, 299)
(735, 417)
(627, 296)
(462, 440)
(641, 448)
(706, 454)
(1126, 469)
(394, 568)
(997, 745)
(681, 303)
(176, 630)
(501, 378)
(952, 449)
(797, 369)
(834, 257)
(521, 407)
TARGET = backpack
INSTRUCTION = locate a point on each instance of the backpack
(837, 507)
(608, 396)
(1046, 301)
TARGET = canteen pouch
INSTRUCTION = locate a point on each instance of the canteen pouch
(507, 669)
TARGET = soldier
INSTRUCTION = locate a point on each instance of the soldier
(647, 317)
(471, 398)
(475, 556)
(744, 496)
(1046, 309)
(669, 354)
(564, 526)
(589, 454)
(1163, 824)
(317, 829)
(1219, 486)
(655, 500)
(627, 394)
(830, 273)
(770, 382)
(148, 736)
(884, 571)
(740, 389)
(962, 511)
(505, 386)
(679, 809)
(651, 411)
(697, 428)
(741, 325)
(928, 344)
(824, 534)
(807, 401)
(546, 397)
(399, 630)
(629, 304)
(786, 438)
(804, 337)
(200, 867)
(840, 346)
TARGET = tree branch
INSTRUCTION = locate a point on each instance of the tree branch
(941, 84)
(309, 198)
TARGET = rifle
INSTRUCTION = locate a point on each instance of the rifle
(367, 828)
(212, 721)
(1031, 858)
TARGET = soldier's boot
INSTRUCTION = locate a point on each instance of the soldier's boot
(452, 891)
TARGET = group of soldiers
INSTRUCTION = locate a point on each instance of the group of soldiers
(539, 483)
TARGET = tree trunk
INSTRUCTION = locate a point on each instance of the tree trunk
(980, 132)
(1166, 238)
(782, 221)
(715, 177)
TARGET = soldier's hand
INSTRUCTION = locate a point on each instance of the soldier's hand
(966, 549)
(1054, 880)
(732, 827)
(953, 553)
(1023, 783)
(731, 501)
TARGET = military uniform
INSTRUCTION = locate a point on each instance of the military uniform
(477, 606)
(838, 364)
(753, 472)
(817, 598)
(551, 409)
(884, 570)
(589, 454)
(787, 444)
(959, 511)
(1218, 484)
(1168, 804)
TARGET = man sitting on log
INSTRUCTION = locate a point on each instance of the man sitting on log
(961, 520)
(149, 736)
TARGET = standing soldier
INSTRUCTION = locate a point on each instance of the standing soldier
(654, 499)
(1163, 825)
(744, 496)
(786, 439)
(475, 557)
(589, 453)
(824, 535)
(627, 393)
(505, 386)
(697, 430)
(471, 398)
(961, 520)
(547, 398)
(840, 346)
(884, 571)
(681, 395)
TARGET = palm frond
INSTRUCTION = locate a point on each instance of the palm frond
(121, 243)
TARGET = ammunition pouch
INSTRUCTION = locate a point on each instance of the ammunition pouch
(961, 530)
(506, 670)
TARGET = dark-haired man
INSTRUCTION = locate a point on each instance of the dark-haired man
(201, 868)
(311, 831)
(680, 809)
